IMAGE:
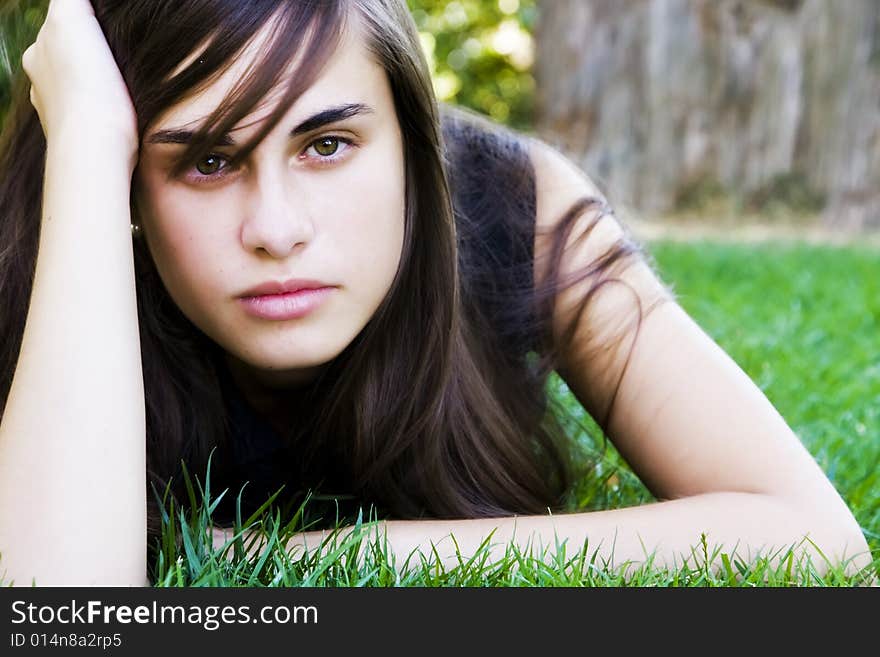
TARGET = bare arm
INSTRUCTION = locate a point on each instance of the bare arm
(743, 526)
(688, 420)
(72, 438)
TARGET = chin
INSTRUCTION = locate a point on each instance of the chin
(285, 359)
(274, 363)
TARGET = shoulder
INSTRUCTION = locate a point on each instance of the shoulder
(559, 185)
(558, 177)
(615, 285)
(596, 232)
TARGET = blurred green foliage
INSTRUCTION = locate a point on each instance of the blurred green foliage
(480, 51)
(20, 21)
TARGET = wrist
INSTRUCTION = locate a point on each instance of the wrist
(109, 144)
(91, 155)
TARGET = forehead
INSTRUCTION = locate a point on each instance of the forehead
(350, 73)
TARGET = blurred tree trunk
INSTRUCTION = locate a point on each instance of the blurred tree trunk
(653, 97)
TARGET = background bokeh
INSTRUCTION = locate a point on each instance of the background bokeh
(480, 52)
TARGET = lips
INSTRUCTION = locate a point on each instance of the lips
(273, 288)
(286, 306)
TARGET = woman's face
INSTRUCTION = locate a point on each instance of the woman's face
(321, 202)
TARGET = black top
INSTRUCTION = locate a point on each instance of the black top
(492, 184)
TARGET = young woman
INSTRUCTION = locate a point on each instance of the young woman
(247, 229)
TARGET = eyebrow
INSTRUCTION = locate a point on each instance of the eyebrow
(317, 120)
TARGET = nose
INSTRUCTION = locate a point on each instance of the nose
(277, 221)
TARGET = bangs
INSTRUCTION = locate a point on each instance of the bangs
(306, 31)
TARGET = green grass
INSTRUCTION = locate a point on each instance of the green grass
(801, 320)
(362, 559)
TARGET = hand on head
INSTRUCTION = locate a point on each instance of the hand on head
(76, 85)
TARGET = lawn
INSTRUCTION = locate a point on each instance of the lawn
(801, 320)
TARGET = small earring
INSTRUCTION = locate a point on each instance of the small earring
(135, 230)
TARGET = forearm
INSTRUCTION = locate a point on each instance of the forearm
(72, 461)
(743, 525)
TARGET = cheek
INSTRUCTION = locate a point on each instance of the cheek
(369, 218)
(183, 260)
(373, 236)
(186, 255)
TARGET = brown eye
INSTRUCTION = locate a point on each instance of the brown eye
(326, 146)
(210, 165)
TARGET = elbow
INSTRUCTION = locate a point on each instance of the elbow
(853, 547)
(833, 530)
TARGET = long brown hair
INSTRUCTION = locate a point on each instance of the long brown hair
(426, 413)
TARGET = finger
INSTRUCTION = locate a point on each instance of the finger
(70, 8)
(35, 100)
(27, 59)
